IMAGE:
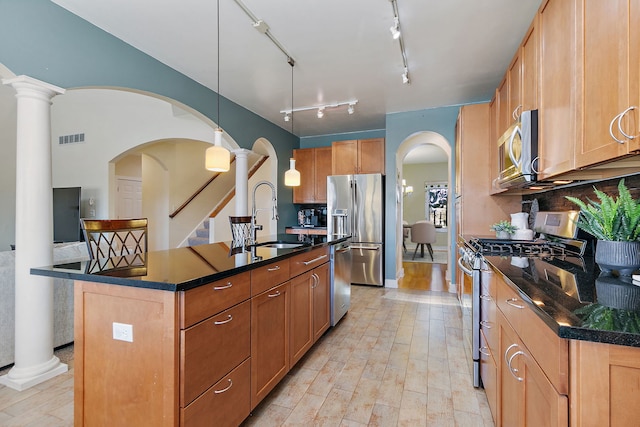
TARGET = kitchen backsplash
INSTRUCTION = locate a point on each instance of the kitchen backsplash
(555, 201)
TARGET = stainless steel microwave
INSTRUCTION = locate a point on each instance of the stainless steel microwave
(518, 151)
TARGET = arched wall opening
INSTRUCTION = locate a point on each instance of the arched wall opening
(416, 140)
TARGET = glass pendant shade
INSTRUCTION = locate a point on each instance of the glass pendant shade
(218, 158)
(292, 176)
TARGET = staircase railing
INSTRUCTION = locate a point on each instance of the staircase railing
(196, 193)
(229, 196)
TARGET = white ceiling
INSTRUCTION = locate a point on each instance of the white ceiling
(457, 52)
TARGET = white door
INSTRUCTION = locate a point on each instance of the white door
(129, 204)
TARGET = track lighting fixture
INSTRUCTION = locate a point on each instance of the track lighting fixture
(397, 35)
(320, 109)
(287, 117)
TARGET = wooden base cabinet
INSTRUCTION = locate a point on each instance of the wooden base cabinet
(606, 380)
(310, 301)
(269, 340)
(527, 396)
(226, 404)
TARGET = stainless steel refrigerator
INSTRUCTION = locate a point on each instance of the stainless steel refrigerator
(359, 198)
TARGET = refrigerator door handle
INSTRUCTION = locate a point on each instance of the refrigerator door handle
(356, 209)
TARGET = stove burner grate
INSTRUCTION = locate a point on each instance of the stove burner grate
(518, 247)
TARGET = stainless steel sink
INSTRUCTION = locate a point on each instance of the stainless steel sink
(281, 245)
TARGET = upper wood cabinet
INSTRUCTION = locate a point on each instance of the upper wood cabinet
(314, 165)
(473, 182)
(358, 156)
(494, 167)
(530, 63)
(503, 118)
(557, 115)
(607, 34)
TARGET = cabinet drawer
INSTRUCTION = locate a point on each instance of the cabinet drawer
(488, 323)
(204, 301)
(308, 260)
(489, 374)
(212, 348)
(510, 304)
(227, 403)
(549, 351)
(267, 277)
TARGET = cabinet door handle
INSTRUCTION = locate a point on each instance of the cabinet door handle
(485, 324)
(222, 322)
(314, 260)
(485, 297)
(512, 303)
(619, 141)
(513, 370)
(277, 294)
(224, 389)
(624, 113)
(506, 352)
(219, 288)
(316, 280)
(484, 352)
(516, 112)
(276, 268)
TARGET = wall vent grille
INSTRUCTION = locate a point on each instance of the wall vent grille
(71, 139)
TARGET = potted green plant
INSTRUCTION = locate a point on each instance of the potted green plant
(504, 229)
(615, 223)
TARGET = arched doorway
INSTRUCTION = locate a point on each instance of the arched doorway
(414, 141)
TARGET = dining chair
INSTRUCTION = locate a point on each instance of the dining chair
(405, 234)
(423, 233)
(107, 238)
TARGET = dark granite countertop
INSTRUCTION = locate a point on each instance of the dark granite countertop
(183, 268)
(574, 298)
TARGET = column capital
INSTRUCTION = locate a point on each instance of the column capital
(241, 152)
(25, 85)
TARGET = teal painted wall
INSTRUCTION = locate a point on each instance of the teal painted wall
(326, 140)
(399, 127)
(46, 42)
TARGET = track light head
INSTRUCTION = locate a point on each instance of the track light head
(320, 113)
(405, 77)
(395, 30)
(350, 109)
(287, 117)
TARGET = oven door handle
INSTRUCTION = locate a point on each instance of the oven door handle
(463, 268)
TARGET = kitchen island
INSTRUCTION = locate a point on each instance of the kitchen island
(560, 342)
(196, 335)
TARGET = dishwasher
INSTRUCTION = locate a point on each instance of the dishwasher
(340, 280)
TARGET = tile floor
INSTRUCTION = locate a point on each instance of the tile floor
(396, 359)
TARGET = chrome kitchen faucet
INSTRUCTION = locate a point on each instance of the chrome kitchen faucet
(254, 211)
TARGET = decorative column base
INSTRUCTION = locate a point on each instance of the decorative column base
(22, 378)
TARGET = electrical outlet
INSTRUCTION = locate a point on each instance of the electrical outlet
(122, 332)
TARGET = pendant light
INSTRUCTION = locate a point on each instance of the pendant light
(292, 176)
(218, 158)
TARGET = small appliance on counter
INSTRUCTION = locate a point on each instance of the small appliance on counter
(312, 217)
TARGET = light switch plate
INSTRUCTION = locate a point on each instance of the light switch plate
(122, 332)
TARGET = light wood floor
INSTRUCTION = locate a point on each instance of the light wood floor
(396, 359)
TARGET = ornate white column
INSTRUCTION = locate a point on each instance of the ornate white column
(34, 359)
(242, 182)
